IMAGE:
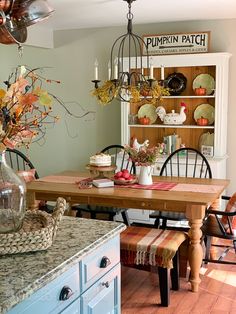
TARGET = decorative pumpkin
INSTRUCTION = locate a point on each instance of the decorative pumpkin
(202, 121)
(200, 91)
(144, 120)
(145, 91)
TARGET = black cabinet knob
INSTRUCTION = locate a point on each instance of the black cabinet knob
(105, 261)
(106, 284)
(65, 293)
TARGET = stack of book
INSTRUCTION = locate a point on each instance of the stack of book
(102, 183)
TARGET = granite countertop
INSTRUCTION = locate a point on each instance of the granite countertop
(23, 274)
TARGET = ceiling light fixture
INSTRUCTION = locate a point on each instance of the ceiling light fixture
(130, 70)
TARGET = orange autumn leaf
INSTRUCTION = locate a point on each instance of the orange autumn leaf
(18, 111)
(2, 93)
(28, 99)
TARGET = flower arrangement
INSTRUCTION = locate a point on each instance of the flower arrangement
(144, 156)
(25, 108)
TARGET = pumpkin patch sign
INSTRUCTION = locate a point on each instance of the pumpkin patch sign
(177, 43)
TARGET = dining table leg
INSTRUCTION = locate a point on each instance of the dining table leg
(31, 203)
(195, 215)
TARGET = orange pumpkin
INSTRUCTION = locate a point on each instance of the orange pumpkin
(144, 120)
(200, 91)
(202, 121)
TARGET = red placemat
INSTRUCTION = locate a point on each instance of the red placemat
(161, 186)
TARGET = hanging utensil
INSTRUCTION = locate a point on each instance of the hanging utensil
(5, 6)
(2, 18)
(29, 12)
(10, 33)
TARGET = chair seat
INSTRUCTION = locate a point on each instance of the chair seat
(147, 246)
(211, 227)
(168, 215)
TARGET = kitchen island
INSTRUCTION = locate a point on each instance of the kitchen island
(79, 273)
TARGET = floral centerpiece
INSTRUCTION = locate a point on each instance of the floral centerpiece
(25, 111)
(145, 157)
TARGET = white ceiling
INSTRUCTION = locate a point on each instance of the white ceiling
(72, 14)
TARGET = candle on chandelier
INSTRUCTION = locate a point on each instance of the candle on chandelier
(96, 70)
(109, 70)
(116, 69)
(151, 69)
(162, 72)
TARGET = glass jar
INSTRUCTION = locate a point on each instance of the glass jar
(12, 198)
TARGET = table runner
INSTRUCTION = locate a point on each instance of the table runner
(61, 179)
(146, 246)
(178, 187)
(200, 188)
(161, 186)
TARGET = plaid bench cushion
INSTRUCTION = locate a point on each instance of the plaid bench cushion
(147, 246)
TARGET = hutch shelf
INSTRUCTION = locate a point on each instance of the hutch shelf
(214, 64)
(191, 65)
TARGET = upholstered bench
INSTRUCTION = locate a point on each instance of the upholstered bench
(154, 247)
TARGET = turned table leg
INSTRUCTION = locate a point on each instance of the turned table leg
(195, 214)
(30, 201)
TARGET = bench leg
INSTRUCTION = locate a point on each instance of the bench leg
(174, 272)
(164, 279)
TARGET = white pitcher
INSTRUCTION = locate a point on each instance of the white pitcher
(145, 176)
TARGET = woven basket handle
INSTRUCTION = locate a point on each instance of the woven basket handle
(58, 213)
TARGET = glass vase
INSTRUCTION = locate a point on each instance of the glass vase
(12, 198)
(145, 176)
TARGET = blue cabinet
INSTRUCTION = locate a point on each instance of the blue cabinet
(47, 299)
(90, 286)
(104, 296)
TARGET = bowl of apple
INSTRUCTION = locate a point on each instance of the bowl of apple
(124, 177)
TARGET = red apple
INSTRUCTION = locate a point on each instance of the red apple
(130, 177)
(119, 174)
(126, 175)
(125, 171)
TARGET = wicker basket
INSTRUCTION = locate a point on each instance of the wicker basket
(37, 232)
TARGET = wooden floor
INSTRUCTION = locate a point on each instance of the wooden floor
(217, 293)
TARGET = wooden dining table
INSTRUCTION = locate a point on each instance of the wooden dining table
(188, 195)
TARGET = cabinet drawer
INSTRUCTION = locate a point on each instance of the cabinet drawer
(46, 299)
(104, 296)
(92, 269)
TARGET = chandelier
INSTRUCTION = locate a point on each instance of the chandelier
(130, 70)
